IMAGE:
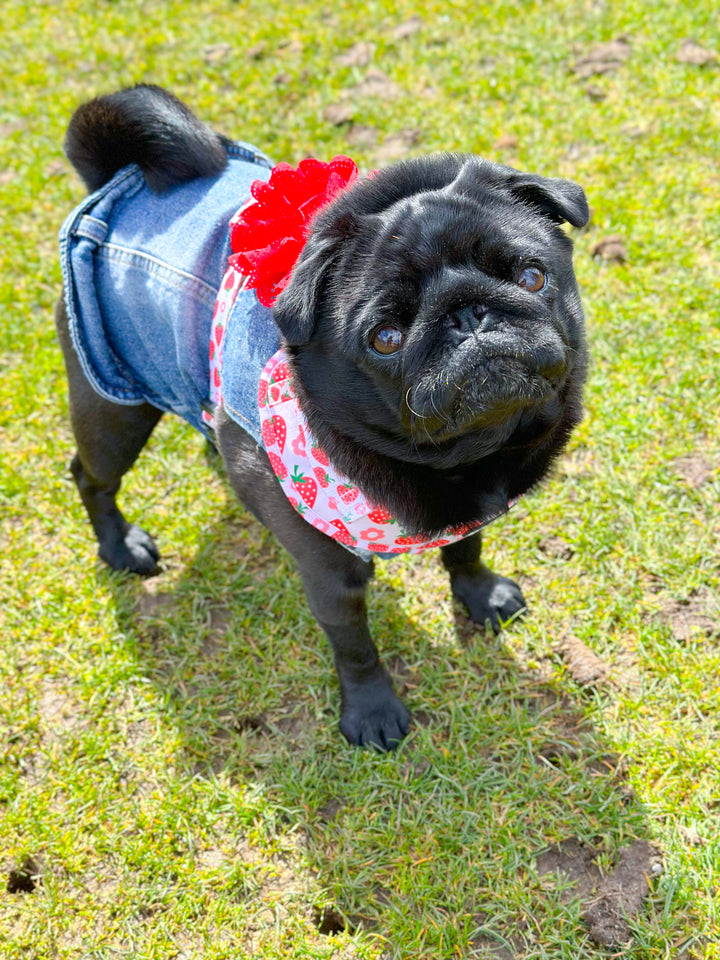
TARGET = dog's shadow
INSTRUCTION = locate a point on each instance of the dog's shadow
(498, 756)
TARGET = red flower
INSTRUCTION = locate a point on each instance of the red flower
(267, 235)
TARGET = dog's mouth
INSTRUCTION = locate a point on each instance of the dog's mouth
(490, 400)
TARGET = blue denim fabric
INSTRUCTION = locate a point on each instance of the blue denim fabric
(141, 272)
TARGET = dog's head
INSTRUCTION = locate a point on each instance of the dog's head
(433, 316)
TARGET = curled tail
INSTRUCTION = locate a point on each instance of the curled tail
(144, 125)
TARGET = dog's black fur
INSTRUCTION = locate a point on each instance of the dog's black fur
(470, 411)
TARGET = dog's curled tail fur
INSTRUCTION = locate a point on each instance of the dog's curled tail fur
(144, 125)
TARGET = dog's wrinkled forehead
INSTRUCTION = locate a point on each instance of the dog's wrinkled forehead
(482, 201)
(469, 176)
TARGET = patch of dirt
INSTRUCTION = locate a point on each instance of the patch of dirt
(362, 137)
(584, 665)
(620, 895)
(690, 617)
(154, 605)
(396, 146)
(576, 463)
(24, 877)
(257, 52)
(293, 722)
(611, 249)
(339, 113)
(251, 722)
(57, 168)
(217, 52)
(692, 52)
(573, 862)
(555, 546)
(694, 469)
(407, 29)
(506, 142)
(612, 900)
(14, 126)
(360, 54)
(603, 58)
(329, 921)
(375, 83)
(330, 810)
(594, 92)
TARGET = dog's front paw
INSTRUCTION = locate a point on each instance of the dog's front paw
(489, 597)
(373, 715)
(134, 550)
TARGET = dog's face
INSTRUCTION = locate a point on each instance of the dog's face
(433, 316)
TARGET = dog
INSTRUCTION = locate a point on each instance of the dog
(431, 344)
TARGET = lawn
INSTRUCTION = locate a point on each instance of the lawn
(172, 782)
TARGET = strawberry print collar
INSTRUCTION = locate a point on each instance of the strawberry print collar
(320, 493)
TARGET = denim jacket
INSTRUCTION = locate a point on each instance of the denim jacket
(141, 272)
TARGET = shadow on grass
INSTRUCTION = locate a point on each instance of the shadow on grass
(436, 846)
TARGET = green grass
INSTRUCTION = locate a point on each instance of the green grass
(169, 749)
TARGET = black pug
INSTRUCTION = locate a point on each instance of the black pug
(436, 341)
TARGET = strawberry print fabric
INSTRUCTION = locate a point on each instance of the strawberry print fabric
(233, 282)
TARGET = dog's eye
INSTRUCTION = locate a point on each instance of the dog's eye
(387, 340)
(531, 278)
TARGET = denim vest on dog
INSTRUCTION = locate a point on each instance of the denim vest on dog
(141, 273)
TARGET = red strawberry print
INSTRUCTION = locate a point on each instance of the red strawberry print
(436, 543)
(463, 528)
(343, 535)
(268, 433)
(322, 478)
(320, 455)
(216, 377)
(407, 541)
(379, 547)
(262, 393)
(347, 493)
(281, 372)
(280, 431)
(400, 550)
(296, 506)
(380, 515)
(305, 486)
(278, 466)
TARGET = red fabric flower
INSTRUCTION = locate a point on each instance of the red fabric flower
(268, 234)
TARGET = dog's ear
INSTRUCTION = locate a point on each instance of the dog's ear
(557, 199)
(296, 309)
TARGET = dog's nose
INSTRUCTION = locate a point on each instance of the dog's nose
(470, 318)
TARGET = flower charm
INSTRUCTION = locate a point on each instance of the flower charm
(268, 234)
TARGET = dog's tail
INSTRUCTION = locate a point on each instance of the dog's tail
(144, 125)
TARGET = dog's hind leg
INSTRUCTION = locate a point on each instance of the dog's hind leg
(109, 437)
